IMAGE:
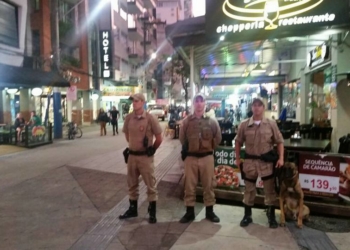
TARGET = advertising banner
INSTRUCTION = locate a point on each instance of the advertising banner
(118, 91)
(228, 174)
(248, 20)
(319, 174)
(72, 93)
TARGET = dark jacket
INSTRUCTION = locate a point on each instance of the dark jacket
(102, 117)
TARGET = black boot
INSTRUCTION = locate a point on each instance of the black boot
(189, 215)
(247, 219)
(131, 212)
(270, 213)
(152, 212)
(210, 215)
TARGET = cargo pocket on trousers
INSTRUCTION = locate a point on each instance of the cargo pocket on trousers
(265, 169)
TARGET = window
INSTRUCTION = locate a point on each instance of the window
(117, 63)
(36, 5)
(123, 14)
(9, 24)
(36, 42)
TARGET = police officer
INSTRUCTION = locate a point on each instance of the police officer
(199, 134)
(259, 135)
(140, 128)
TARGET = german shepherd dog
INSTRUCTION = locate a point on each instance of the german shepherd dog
(291, 196)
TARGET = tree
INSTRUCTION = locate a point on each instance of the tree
(180, 75)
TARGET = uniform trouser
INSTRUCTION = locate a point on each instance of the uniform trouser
(204, 169)
(252, 169)
(144, 166)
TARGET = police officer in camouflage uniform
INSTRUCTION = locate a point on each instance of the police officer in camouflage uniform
(200, 134)
(259, 135)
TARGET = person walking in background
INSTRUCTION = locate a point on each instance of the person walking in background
(114, 117)
(102, 119)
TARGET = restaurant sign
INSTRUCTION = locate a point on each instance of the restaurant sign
(256, 19)
(319, 174)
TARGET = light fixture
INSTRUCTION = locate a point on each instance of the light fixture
(258, 69)
(258, 52)
(12, 91)
(245, 73)
(154, 56)
(273, 73)
(169, 59)
(37, 91)
(94, 96)
(222, 38)
(187, 80)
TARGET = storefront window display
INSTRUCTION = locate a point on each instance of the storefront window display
(290, 97)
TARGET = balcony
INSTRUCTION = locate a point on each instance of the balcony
(149, 4)
(135, 31)
(135, 7)
(150, 43)
(134, 56)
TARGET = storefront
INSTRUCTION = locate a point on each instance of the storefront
(292, 54)
(117, 96)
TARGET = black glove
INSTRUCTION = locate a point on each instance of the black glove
(126, 155)
(150, 151)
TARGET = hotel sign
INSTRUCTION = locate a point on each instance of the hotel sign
(261, 19)
(106, 54)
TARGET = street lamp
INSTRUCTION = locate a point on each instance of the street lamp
(12, 91)
(169, 59)
(37, 92)
(154, 55)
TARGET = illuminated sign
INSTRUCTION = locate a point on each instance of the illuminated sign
(106, 54)
(318, 56)
(266, 17)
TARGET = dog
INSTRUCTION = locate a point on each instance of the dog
(291, 196)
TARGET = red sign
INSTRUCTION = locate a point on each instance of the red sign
(162, 101)
(319, 174)
(72, 92)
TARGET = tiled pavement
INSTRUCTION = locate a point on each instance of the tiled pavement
(75, 206)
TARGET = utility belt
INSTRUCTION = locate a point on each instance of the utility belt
(150, 151)
(199, 155)
(270, 156)
(137, 152)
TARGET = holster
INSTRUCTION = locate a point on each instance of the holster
(270, 156)
(150, 151)
(184, 151)
(126, 155)
(241, 168)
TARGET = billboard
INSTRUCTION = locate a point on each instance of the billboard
(250, 20)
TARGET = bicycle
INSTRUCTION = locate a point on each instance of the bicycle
(74, 131)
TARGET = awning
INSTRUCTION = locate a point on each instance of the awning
(16, 77)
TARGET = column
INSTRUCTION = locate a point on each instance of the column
(87, 108)
(342, 112)
(69, 106)
(24, 103)
(57, 113)
(5, 112)
(76, 111)
(192, 72)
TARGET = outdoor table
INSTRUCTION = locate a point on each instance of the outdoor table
(309, 145)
